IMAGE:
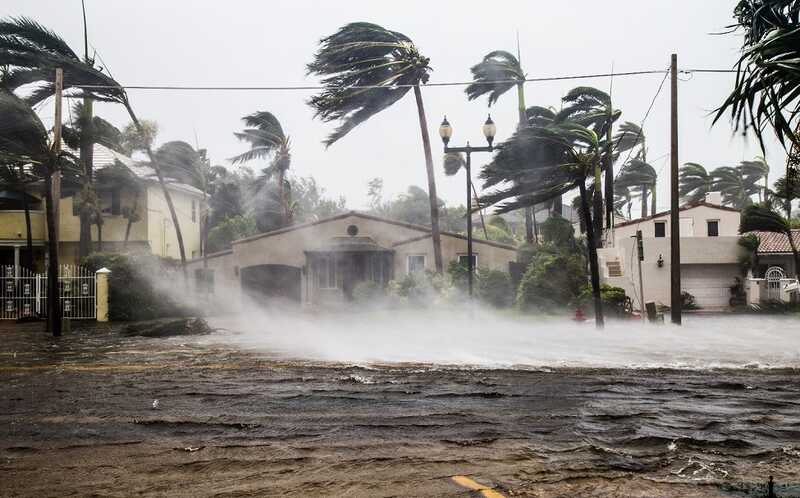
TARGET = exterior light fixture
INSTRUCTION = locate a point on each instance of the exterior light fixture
(445, 131)
(660, 261)
(489, 130)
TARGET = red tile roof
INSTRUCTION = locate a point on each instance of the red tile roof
(777, 243)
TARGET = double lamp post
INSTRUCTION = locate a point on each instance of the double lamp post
(489, 131)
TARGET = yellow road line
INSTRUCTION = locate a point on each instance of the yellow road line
(466, 482)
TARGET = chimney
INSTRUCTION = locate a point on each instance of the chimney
(714, 198)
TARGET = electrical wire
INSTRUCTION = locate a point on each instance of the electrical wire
(365, 87)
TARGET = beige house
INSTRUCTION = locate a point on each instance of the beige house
(322, 261)
(710, 255)
(153, 231)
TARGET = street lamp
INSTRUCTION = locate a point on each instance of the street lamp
(489, 131)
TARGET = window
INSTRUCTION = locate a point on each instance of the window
(661, 229)
(110, 201)
(194, 211)
(416, 263)
(464, 260)
(326, 272)
(713, 228)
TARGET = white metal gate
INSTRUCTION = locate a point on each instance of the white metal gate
(774, 275)
(23, 293)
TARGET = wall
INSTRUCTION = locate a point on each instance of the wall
(160, 231)
(728, 223)
(488, 256)
(696, 254)
(12, 226)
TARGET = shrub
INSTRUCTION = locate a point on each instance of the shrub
(422, 288)
(494, 287)
(368, 292)
(459, 275)
(132, 290)
(553, 279)
(232, 228)
(614, 300)
(558, 231)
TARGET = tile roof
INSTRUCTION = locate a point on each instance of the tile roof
(777, 243)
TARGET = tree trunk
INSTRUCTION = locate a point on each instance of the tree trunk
(529, 225)
(426, 146)
(131, 217)
(99, 233)
(644, 201)
(598, 205)
(609, 186)
(87, 161)
(53, 304)
(593, 265)
(285, 219)
(558, 205)
(535, 226)
(167, 195)
(653, 206)
(27, 262)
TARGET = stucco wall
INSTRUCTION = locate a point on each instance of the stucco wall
(114, 226)
(160, 231)
(12, 226)
(488, 256)
(728, 223)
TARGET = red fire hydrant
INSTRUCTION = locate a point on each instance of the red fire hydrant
(579, 315)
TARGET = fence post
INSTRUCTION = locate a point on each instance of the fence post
(101, 294)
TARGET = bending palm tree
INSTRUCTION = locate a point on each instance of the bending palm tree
(364, 54)
(497, 73)
(540, 163)
(642, 178)
(787, 192)
(31, 53)
(268, 141)
(694, 182)
(766, 220)
(758, 169)
(736, 188)
(592, 108)
(24, 139)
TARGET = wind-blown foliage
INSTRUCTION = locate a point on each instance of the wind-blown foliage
(757, 170)
(498, 72)
(694, 182)
(365, 68)
(641, 178)
(736, 188)
(766, 94)
(363, 54)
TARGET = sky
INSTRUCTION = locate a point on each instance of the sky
(257, 43)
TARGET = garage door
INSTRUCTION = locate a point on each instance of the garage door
(709, 284)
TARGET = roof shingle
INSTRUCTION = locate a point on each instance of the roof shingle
(777, 243)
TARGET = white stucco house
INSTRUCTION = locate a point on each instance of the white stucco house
(710, 255)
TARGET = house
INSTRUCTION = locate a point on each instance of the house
(153, 231)
(774, 277)
(710, 255)
(322, 262)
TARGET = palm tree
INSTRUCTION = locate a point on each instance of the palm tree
(736, 188)
(498, 72)
(758, 218)
(592, 108)
(623, 198)
(642, 178)
(787, 192)
(758, 169)
(540, 163)
(30, 54)
(766, 93)
(268, 141)
(24, 139)
(82, 135)
(367, 68)
(694, 182)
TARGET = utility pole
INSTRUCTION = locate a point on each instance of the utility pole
(54, 179)
(674, 215)
(640, 258)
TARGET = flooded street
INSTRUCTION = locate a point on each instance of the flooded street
(78, 416)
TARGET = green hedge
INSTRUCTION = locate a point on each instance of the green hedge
(132, 290)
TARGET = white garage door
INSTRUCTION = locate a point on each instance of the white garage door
(709, 284)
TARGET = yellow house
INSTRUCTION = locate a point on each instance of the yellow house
(153, 231)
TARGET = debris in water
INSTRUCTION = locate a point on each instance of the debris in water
(155, 404)
(672, 446)
(191, 449)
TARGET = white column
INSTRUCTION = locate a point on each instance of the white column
(16, 261)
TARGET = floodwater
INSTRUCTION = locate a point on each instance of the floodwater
(238, 416)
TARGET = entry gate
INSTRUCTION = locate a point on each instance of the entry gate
(23, 293)
(774, 275)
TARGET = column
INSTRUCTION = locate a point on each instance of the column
(101, 294)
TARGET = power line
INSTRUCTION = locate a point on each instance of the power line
(363, 87)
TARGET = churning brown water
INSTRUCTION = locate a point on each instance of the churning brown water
(77, 418)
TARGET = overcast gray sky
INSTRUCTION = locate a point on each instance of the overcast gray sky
(238, 42)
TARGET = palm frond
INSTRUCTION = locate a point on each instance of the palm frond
(498, 72)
